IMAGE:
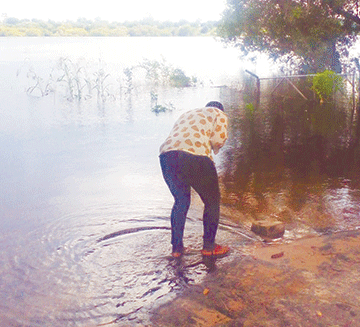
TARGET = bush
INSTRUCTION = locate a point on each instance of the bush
(179, 79)
(326, 84)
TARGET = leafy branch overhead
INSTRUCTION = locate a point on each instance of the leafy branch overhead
(318, 33)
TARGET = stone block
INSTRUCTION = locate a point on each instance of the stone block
(268, 229)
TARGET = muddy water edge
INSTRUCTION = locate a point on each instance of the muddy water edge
(293, 159)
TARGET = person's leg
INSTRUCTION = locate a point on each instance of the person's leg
(205, 182)
(172, 168)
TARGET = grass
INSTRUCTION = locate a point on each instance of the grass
(77, 80)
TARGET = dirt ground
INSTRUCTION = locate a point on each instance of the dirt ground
(313, 281)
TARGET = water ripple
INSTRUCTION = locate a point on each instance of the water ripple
(130, 231)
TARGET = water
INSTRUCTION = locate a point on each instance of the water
(84, 227)
(85, 234)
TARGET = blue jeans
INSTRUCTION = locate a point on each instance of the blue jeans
(181, 171)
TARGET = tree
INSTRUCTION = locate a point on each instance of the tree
(315, 31)
(11, 21)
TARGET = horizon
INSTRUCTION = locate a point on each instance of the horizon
(136, 10)
(100, 19)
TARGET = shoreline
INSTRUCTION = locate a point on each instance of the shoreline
(311, 281)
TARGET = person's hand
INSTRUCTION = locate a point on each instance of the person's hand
(216, 148)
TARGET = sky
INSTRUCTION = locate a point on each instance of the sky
(111, 10)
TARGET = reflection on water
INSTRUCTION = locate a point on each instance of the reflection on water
(84, 227)
(293, 160)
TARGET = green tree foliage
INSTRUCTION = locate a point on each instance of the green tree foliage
(83, 27)
(179, 79)
(325, 84)
(316, 32)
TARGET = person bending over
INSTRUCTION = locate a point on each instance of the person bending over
(186, 161)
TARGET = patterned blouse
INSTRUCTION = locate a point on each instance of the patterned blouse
(198, 132)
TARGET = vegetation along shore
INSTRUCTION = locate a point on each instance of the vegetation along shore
(83, 27)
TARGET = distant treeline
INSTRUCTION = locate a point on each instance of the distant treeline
(84, 27)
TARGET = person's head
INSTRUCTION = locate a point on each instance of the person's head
(215, 104)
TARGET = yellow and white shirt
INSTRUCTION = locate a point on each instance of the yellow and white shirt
(198, 132)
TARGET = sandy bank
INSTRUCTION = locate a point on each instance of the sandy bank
(313, 281)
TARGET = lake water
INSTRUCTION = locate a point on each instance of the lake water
(84, 225)
(84, 228)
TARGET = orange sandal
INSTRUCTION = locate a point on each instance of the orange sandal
(178, 254)
(217, 251)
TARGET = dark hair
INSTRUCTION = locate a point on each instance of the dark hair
(215, 104)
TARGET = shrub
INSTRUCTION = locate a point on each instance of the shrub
(179, 79)
(326, 84)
